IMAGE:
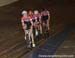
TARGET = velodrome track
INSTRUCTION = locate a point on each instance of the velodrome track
(13, 45)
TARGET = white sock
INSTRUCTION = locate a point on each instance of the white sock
(36, 33)
(33, 45)
(25, 37)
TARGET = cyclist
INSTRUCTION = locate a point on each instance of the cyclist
(33, 20)
(24, 15)
(26, 23)
(38, 20)
(45, 18)
(30, 14)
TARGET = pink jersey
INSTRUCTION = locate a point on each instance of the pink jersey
(45, 13)
(32, 16)
(25, 18)
(38, 15)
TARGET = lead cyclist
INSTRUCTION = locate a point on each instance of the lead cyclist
(27, 26)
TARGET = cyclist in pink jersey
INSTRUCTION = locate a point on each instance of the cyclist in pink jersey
(38, 20)
(45, 18)
(30, 13)
(27, 25)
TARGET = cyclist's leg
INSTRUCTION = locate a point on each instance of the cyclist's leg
(43, 24)
(40, 28)
(29, 39)
(25, 35)
(29, 34)
(32, 36)
(36, 30)
(25, 27)
(46, 25)
(47, 29)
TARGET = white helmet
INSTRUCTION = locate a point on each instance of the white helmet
(36, 12)
(24, 12)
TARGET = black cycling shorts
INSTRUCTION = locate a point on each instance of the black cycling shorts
(33, 20)
(44, 17)
(28, 23)
(38, 19)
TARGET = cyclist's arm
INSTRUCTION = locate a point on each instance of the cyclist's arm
(36, 19)
(22, 22)
(31, 22)
(40, 19)
(48, 19)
